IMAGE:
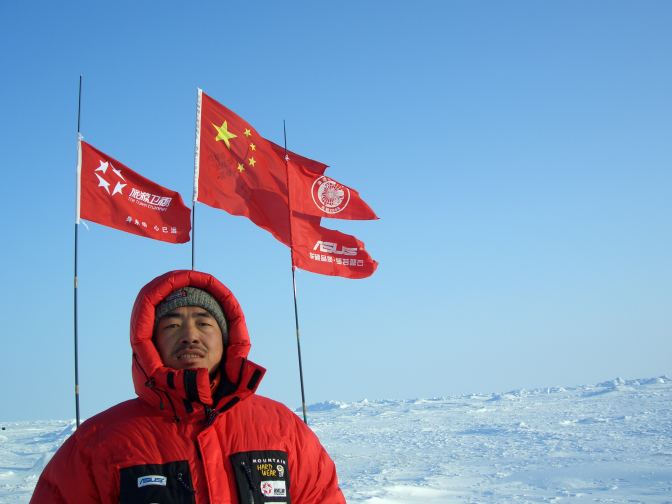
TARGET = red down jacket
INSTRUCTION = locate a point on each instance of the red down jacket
(172, 444)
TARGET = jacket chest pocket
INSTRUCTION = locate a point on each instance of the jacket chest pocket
(168, 483)
(262, 477)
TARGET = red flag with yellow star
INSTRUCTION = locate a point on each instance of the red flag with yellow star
(113, 195)
(239, 171)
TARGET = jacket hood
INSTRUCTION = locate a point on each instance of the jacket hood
(152, 379)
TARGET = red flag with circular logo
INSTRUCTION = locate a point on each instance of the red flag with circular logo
(316, 194)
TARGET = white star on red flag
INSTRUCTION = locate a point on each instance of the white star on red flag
(118, 188)
(103, 183)
(118, 173)
(103, 166)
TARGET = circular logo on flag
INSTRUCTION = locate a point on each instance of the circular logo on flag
(330, 196)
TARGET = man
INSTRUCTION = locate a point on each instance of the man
(197, 433)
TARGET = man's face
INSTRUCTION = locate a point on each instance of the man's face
(189, 337)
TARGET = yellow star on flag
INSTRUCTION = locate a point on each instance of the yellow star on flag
(253, 147)
(247, 133)
(224, 134)
(241, 168)
(252, 162)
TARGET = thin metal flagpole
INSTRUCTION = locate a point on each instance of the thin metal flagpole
(296, 309)
(193, 234)
(197, 154)
(76, 279)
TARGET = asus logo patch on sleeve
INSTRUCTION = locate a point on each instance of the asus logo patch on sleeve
(152, 480)
(168, 483)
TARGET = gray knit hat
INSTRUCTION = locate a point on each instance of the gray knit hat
(192, 296)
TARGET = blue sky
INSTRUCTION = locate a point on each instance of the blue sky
(518, 154)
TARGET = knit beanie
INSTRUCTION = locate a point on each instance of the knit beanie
(192, 296)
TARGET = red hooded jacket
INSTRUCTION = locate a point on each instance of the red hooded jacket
(174, 444)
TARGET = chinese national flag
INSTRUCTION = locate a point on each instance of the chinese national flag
(316, 194)
(113, 195)
(329, 252)
(239, 171)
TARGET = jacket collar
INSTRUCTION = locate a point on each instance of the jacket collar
(187, 391)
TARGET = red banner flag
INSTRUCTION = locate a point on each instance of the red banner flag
(316, 194)
(329, 252)
(113, 195)
(237, 169)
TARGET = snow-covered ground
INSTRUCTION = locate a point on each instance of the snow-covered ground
(608, 443)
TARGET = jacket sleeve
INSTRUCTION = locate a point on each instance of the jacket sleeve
(67, 478)
(315, 480)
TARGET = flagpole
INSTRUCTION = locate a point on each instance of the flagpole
(197, 154)
(76, 279)
(193, 233)
(296, 309)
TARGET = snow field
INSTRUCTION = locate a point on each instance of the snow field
(607, 443)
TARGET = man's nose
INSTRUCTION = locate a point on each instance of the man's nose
(190, 332)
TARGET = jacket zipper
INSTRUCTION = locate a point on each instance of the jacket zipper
(210, 415)
(248, 476)
(180, 479)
